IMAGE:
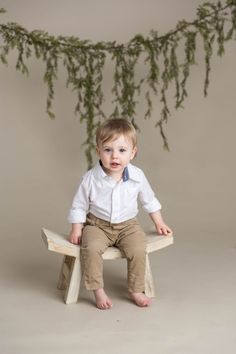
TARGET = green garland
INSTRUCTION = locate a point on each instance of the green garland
(84, 63)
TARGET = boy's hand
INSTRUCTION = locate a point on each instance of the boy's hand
(76, 234)
(74, 238)
(163, 229)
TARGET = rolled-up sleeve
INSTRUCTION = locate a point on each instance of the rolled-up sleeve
(147, 197)
(80, 204)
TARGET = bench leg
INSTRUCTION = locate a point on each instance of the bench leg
(149, 284)
(69, 279)
(72, 291)
(61, 285)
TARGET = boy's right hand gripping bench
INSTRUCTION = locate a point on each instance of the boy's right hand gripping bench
(71, 273)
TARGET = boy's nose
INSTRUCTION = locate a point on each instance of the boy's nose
(114, 153)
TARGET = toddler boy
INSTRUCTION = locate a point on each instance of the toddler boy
(104, 211)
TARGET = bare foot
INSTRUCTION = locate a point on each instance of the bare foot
(102, 300)
(140, 299)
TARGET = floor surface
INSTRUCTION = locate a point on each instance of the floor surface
(194, 311)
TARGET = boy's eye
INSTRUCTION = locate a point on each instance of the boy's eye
(122, 150)
(107, 149)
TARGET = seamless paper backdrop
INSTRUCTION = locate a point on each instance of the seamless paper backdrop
(42, 160)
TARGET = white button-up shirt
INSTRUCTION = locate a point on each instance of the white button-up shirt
(107, 199)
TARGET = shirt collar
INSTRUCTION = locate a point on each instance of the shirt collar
(125, 175)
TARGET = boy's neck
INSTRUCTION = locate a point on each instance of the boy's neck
(115, 175)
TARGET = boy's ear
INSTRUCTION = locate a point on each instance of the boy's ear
(97, 150)
(134, 152)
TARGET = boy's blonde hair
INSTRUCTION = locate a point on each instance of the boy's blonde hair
(112, 128)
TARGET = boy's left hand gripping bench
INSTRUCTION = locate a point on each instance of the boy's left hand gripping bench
(71, 273)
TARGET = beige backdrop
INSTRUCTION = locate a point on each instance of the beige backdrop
(42, 160)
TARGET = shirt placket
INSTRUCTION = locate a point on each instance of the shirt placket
(116, 202)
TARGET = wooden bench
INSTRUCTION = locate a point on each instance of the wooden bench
(71, 274)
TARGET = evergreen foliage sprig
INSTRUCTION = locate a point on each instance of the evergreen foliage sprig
(84, 63)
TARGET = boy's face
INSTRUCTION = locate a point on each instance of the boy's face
(116, 154)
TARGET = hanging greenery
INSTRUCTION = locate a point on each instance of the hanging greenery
(84, 62)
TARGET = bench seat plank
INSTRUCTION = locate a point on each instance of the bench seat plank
(59, 243)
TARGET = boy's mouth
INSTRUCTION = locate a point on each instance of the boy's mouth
(115, 164)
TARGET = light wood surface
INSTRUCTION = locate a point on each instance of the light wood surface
(59, 243)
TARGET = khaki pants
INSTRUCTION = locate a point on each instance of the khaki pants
(128, 236)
